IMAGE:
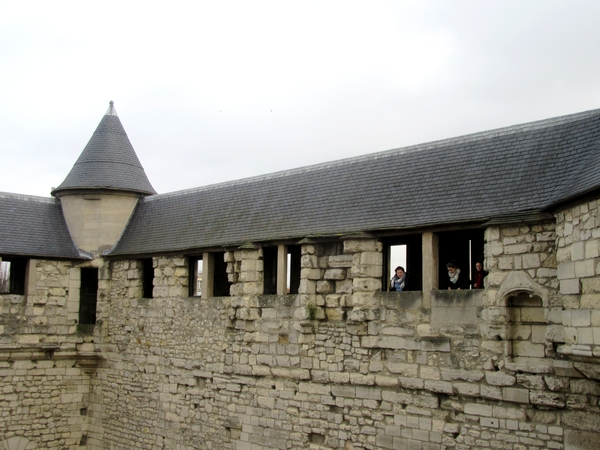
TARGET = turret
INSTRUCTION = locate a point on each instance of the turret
(103, 187)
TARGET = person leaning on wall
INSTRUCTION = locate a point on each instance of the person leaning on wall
(478, 276)
(399, 281)
(457, 279)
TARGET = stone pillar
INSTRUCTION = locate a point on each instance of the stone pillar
(208, 275)
(30, 276)
(430, 267)
(282, 269)
(366, 270)
(251, 270)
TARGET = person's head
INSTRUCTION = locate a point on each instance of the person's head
(451, 267)
(399, 271)
(478, 266)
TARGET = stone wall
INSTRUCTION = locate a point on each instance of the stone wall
(578, 232)
(44, 392)
(339, 365)
(342, 365)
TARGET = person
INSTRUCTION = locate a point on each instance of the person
(456, 279)
(398, 281)
(479, 275)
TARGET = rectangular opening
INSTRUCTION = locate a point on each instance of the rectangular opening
(13, 274)
(463, 248)
(88, 296)
(270, 270)
(208, 275)
(196, 267)
(221, 286)
(405, 252)
(293, 269)
(147, 278)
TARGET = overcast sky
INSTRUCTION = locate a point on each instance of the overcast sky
(218, 90)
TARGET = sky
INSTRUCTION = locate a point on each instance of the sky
(215, 91)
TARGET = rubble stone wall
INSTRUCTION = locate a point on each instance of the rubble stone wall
(343, 365)
(44, 394)
(338, 365)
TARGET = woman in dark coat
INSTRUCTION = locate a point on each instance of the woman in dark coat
(456, 279)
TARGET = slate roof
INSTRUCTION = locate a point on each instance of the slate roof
(35, 227)
(517, 171)
(108, 161)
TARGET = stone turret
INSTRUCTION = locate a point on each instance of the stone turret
(103, 187)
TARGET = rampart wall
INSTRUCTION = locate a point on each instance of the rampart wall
(339, 365)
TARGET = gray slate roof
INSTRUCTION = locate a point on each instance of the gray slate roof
(517, 171)
(35, 227)
(108, 161)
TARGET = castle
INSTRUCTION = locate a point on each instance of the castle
(257, 314)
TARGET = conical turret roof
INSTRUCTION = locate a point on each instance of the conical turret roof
(108, 161)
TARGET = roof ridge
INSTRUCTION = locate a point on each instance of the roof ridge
(496, 132)
(27, 197)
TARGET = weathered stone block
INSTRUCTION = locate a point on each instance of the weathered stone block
(360, 245)
(366, 284)
(404, 369)
(335, 274)
(570, 286)
(530, 261)
(590, 301)
(478, 409)
(499, 379)
(343, 287)
(590, 285)
(581, 318)
(398, 343)
(334, 314)
(515, 395)
(366, 270)
(340, 261)
(577, 251)
(325, 287)
(585, 268)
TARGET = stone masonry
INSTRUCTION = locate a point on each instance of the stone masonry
(338, 365)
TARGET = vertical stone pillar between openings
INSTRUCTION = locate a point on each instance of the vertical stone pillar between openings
(430, 267)
(208, 275)
(282, 269)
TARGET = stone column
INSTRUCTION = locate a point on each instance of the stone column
(282, 269)
(208, 275)
(366, 271)
(430, 267)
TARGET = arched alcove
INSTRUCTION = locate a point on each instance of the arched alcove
(526, 325)
(17, 443)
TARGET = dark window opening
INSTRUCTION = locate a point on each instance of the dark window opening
(208, 276)
(293, 269)
(221, 287)
(13, 273)
(147, 278)
(406, 252)
(270, 270)
(88, 296)
(195, 269)
(464, 248)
